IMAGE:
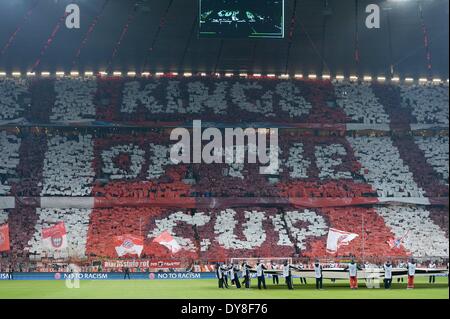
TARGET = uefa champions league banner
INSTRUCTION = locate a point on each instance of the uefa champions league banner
(109, 276)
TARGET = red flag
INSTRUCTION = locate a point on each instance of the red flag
(55, 237)
(4, 238)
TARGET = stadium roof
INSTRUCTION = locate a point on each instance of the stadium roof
(323, 39)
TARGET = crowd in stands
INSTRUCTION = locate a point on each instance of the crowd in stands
(71, 100)
(127, 166)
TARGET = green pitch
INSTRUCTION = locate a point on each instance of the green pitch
(207, 289)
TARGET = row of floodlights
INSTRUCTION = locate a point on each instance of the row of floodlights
(366, 78)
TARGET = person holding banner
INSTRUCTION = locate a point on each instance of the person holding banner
(288, 275)
(236, 276)
(353, 274)
(387, 275)
(411, 273)
(318, 275)
(219, 276)
(260, 274)
(246, 271)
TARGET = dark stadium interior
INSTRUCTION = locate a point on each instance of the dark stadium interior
(323, 39)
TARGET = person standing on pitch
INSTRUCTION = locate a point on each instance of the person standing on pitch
(275, 278)
(219, 276)
(224, 271)
(288, 275)
(302, 279)
(246, 271)
(432, 278)
(401, 264)
(411, 273)
(318, 274)
(387, 275)
(126, 272)
(236, 276)
(260, 274)
(353, 274)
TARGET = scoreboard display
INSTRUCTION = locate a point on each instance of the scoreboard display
(241, 19)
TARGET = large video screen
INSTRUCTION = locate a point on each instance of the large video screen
(241, 19)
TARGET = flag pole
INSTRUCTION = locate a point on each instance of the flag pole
(363, 237)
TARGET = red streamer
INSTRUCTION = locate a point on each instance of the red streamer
(88, 34)
(49, 41)
(124, 32)
(426, 42)
(19, 28)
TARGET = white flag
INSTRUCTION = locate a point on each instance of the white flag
(337, 238)
(168, 241)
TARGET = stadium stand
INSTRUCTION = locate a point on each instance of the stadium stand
(123, 171)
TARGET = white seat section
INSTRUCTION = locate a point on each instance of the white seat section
(180, 219)
(262, 105)
(360, 103)
(253, 229)
(328, 158)
(77, 224)
(201, 98)
(428, 102)
(435, 149)
(68, 169)
(383, 168)
(280, 228)
(316, 226)
(9, 159)
(291, 100)
(3, 216)
(296, 163)
(159, 159)
(136, 156)
(11, 92)
(424, 237)
(74, 99)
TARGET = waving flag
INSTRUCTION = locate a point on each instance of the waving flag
(4, 238)
(129, 245)
(55, 237)
(166, 239)
(397, 242)
(337, 238)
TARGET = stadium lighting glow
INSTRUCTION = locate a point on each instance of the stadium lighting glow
(60, 73)
(187, 74)
(228, 75)
(284, 76)
(326, 76)
(174, 73)
(257, 75)
(422, 80)
(45, 74)
(117, 73)
(31, 74)
(340, 77)
(437, 80)
(145, 74)
(367, 78)
(409, 80)
(353, 78)
(381, 78)
(88, 73)
(244, 75)
(312, 76)
(131, 73)
(203, 74)
(298, 76)
(103, 73)
(217, 74)
(270, 75)
(159, 73)
(74, 73)
(2, 73)
(16, 74)
(395, 79)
